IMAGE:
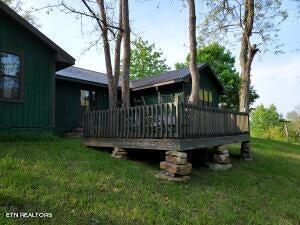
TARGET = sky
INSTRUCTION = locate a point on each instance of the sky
(276, 78)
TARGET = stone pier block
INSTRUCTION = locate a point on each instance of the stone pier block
(175, 168)
(119, 153)
(176, 160)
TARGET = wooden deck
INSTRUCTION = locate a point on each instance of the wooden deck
(169, 126)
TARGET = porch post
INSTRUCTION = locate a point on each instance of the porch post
(175, 167)
(119, 153)
(246, 150)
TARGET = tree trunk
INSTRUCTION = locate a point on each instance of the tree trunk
(112, 92)
(126, 54)
(194, 97)
(246, 55)
(117, 53)
(245, 75)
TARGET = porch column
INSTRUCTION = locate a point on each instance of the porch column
(246, 150)
(175, 167)
(220, 159)
(119, 153)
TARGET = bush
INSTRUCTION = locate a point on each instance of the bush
(265, 123)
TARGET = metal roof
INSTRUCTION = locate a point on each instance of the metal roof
(171, 77)
(63, 58)
(80, 74)
(100, 79)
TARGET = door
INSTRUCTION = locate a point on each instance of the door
(84, 104)
(87, 102)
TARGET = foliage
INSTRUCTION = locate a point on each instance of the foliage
(146, 60)
(265, 122)
(222, 62)
(224, 22)
(294, 126)
(83, 186)
(17, 5)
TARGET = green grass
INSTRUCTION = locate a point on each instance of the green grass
(83, 186)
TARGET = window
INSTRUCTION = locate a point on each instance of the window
(85, 98)
(205, 97)
(10, 76)
(201, 95)
(210, 98)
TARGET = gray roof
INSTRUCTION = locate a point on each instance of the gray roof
(164, 77)
(171, 77)
(79, 74)
(100, 79)
(63, 58)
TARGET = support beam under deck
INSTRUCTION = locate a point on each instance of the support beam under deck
(166, 144)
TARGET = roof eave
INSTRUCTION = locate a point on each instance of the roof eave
(62, 56)
(157, 84)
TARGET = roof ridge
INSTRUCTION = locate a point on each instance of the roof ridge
(90, 70)
(32, 29)
(151, 76)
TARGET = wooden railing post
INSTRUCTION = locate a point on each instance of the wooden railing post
(168, 120)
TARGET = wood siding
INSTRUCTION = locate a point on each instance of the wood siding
(35, 110)
(68, 103)
(206, 83)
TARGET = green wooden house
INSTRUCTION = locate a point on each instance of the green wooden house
(164, 87)
(40, 90)
(33, 98)
(28, 62)
(77, 91)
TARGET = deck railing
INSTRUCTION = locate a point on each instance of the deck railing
(168, 120)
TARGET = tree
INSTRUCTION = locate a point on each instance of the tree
(17, 6)
(248, 22)
(222, 62)
(107, 32)
(264, 121)
(146, 60)
(127, 54)
(194, 97)
(294, 118)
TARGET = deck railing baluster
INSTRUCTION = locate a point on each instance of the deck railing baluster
(168, 120)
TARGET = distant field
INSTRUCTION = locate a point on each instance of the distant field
(83, 186)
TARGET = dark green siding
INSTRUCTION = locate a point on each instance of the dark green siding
(206, 83)
(68, 103)
(35, 111)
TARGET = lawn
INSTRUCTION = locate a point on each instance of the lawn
(84, 186)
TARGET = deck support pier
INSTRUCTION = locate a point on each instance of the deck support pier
(120, 153)
(175, 167)
(246, 150)
(220, 159)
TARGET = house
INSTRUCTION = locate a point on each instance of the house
(164, 87)
(40, 91)
(28, 62)
(77, 91)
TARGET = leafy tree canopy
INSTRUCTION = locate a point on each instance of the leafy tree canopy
(222, 63)
(264, 121)
(294, 118)
(146, 60)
